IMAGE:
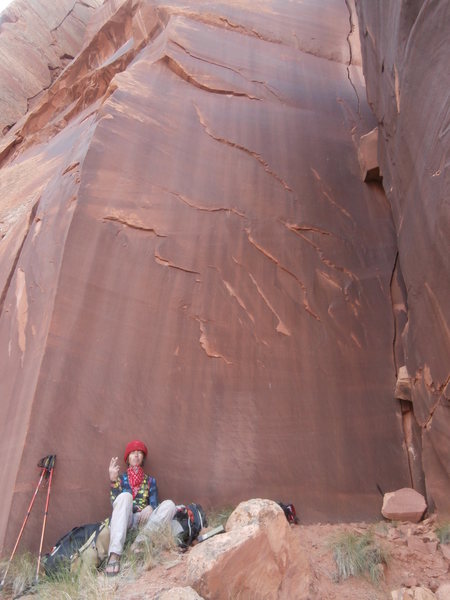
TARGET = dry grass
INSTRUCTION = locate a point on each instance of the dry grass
(358, 554)
(156, 547)
(21, 574)
(219, 516)
(68, 586)
(88, 583)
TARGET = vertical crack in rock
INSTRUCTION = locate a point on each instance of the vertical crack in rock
(251, 153)
(406, 409)
(206, 345)
(397, 89)
(410, 427)
(352, 29)
(22, 309)
(266, 253)
(17, 257)
(394, 316)
(407, 428)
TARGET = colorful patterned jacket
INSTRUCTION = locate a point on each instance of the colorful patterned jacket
(146, 494)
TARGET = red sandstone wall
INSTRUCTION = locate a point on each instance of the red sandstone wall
(189, 256)
(405, 57)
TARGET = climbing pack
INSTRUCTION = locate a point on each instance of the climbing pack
(83, 547)
(289, 512)
(192, 519)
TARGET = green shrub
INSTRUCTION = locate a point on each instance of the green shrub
(358, 554)
(443, 533)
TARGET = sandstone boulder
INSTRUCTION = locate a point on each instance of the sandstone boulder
(403, 385)
(404, 505)
(368, 156)
(256, 558)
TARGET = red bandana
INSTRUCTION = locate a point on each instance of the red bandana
(135, 478)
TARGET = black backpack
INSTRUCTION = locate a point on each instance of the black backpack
(192, 519)
(80, 541)
(289, 512)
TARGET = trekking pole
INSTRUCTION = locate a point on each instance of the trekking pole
(42, 464)
(51, 467)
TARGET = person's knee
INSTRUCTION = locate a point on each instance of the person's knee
(167, 508)
(123, 499)
(168, 504)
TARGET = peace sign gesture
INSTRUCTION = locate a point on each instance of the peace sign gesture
(114, 469)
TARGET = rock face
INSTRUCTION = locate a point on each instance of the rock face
(257, 558)
(38, 38)
(189, 256)
(404, 505)
(405, 59)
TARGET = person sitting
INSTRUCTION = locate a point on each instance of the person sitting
(134, 497)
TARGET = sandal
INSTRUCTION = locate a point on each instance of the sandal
(112, 568)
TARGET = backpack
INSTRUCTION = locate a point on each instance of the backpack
(192, 519)
(83, 547)
(289, 512)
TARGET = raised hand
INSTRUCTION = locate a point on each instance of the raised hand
(114, 468)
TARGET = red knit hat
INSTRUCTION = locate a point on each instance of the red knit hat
(135, 445)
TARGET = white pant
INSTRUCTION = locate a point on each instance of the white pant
(123, 519)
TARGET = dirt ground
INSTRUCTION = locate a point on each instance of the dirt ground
(415, 558)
